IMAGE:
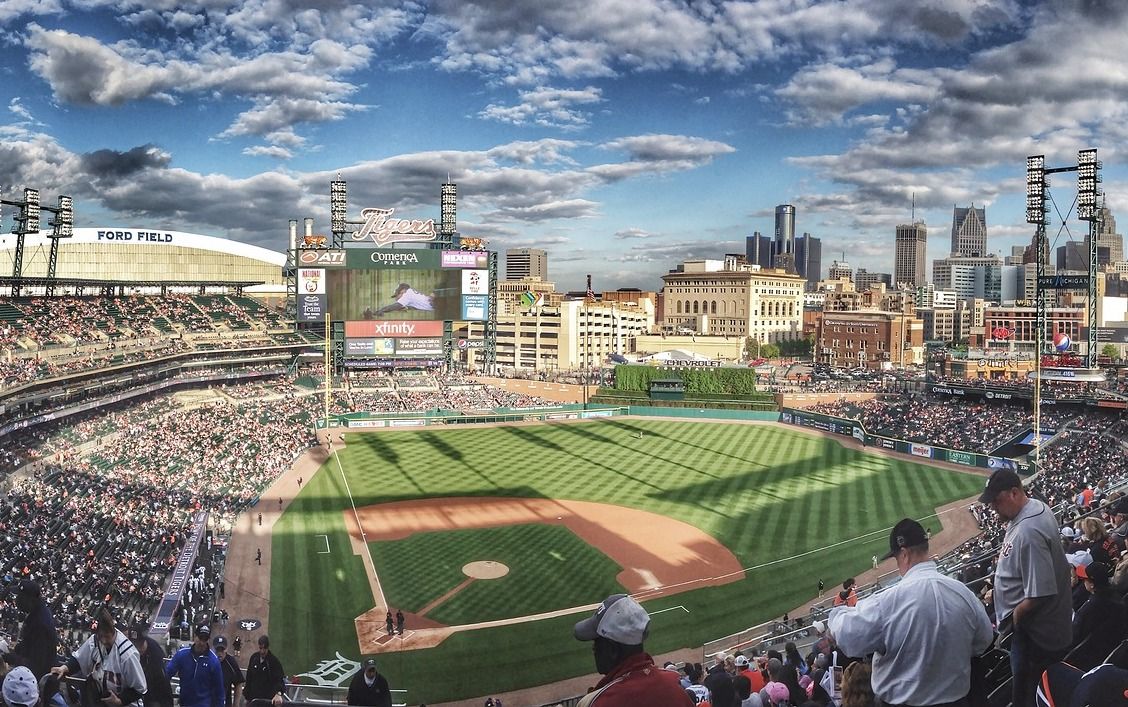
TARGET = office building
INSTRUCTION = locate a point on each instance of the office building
(969, 231)
(909, 255)
(808, 259)
(943, 269)
(570, 335)
(864, 278)
(1110, 244)
(784, 229)
(869, 339)
(526, 262)
(1073, 256)
(758, 250)
(731, 298)
(840, 271)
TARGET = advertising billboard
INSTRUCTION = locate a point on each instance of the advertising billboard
(392, 330)
(409, 285)
(311, 294)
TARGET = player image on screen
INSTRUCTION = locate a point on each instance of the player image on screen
(406, 297)
(402, 294)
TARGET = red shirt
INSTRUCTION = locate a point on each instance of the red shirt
(638, 681)
(756, 678)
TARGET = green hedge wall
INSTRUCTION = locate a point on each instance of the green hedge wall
(723, 381)
(611, 398)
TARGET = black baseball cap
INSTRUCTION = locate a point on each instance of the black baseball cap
(1000, 481)
(370, 663)
(219, 642)
(203, 631)
(906, 533)
(1096, 572)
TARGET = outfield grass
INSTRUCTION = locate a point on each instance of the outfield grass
(767, 492)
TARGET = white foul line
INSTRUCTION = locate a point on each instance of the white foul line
(679, 606)
(363, 535)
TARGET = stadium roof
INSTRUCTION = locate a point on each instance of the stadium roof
(116, 236)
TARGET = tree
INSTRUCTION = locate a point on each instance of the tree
(751, 348)
(1111, 351)
(769, 351)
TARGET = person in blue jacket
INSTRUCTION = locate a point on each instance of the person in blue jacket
(201, 675)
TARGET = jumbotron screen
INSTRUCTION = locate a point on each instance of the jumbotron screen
(375, 284)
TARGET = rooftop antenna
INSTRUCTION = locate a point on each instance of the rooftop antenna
(913, 211)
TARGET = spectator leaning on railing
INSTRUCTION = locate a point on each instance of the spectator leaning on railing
(923, 632)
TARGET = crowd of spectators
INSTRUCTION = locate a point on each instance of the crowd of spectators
(445, 391)
(945, 422)
(47, 337)
(107, 525)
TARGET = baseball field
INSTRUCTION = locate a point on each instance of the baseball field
(490, 539)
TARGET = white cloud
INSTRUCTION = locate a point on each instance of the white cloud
(274, 151)
(550, 107)
(546, 151)
(628, 233)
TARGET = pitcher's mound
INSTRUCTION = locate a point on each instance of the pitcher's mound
(485, 570)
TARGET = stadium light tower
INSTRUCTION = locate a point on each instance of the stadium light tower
(1088, 177)
(26, 221)
(63, 227)
(338, 210)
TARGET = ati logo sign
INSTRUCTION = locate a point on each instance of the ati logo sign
(322, 257)
(249, 624)
(382, 230)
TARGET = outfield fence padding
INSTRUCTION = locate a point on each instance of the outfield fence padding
(849, 427)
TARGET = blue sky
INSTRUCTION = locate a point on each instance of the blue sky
(621, 135)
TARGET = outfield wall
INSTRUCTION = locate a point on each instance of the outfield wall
(366, 420)
(848, 427)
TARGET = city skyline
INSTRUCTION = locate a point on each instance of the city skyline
(619, 152)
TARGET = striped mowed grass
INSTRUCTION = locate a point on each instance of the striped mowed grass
(794, 508)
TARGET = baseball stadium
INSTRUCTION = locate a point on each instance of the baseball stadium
(191, 441)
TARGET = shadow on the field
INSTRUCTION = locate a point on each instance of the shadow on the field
(536, 439)
(442, 446)
(585, 432)
(647, 431)
(386, 454)
(532, 438)
(454, 454)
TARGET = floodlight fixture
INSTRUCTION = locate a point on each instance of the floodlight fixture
(31, 211)
(338, 205)
(1088, 177)
(64, 220)
(1036, 183)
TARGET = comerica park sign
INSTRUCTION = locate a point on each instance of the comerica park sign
(382, 230)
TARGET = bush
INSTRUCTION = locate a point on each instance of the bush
(724, 381)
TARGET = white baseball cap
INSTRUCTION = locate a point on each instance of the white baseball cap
(619, 618)
(20, 687)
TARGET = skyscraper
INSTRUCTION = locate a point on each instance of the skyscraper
(1110, 244)
(758, 250)
(969, 231)
(526, 262)
(784, 229)
(909, 252)
(808, 259)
